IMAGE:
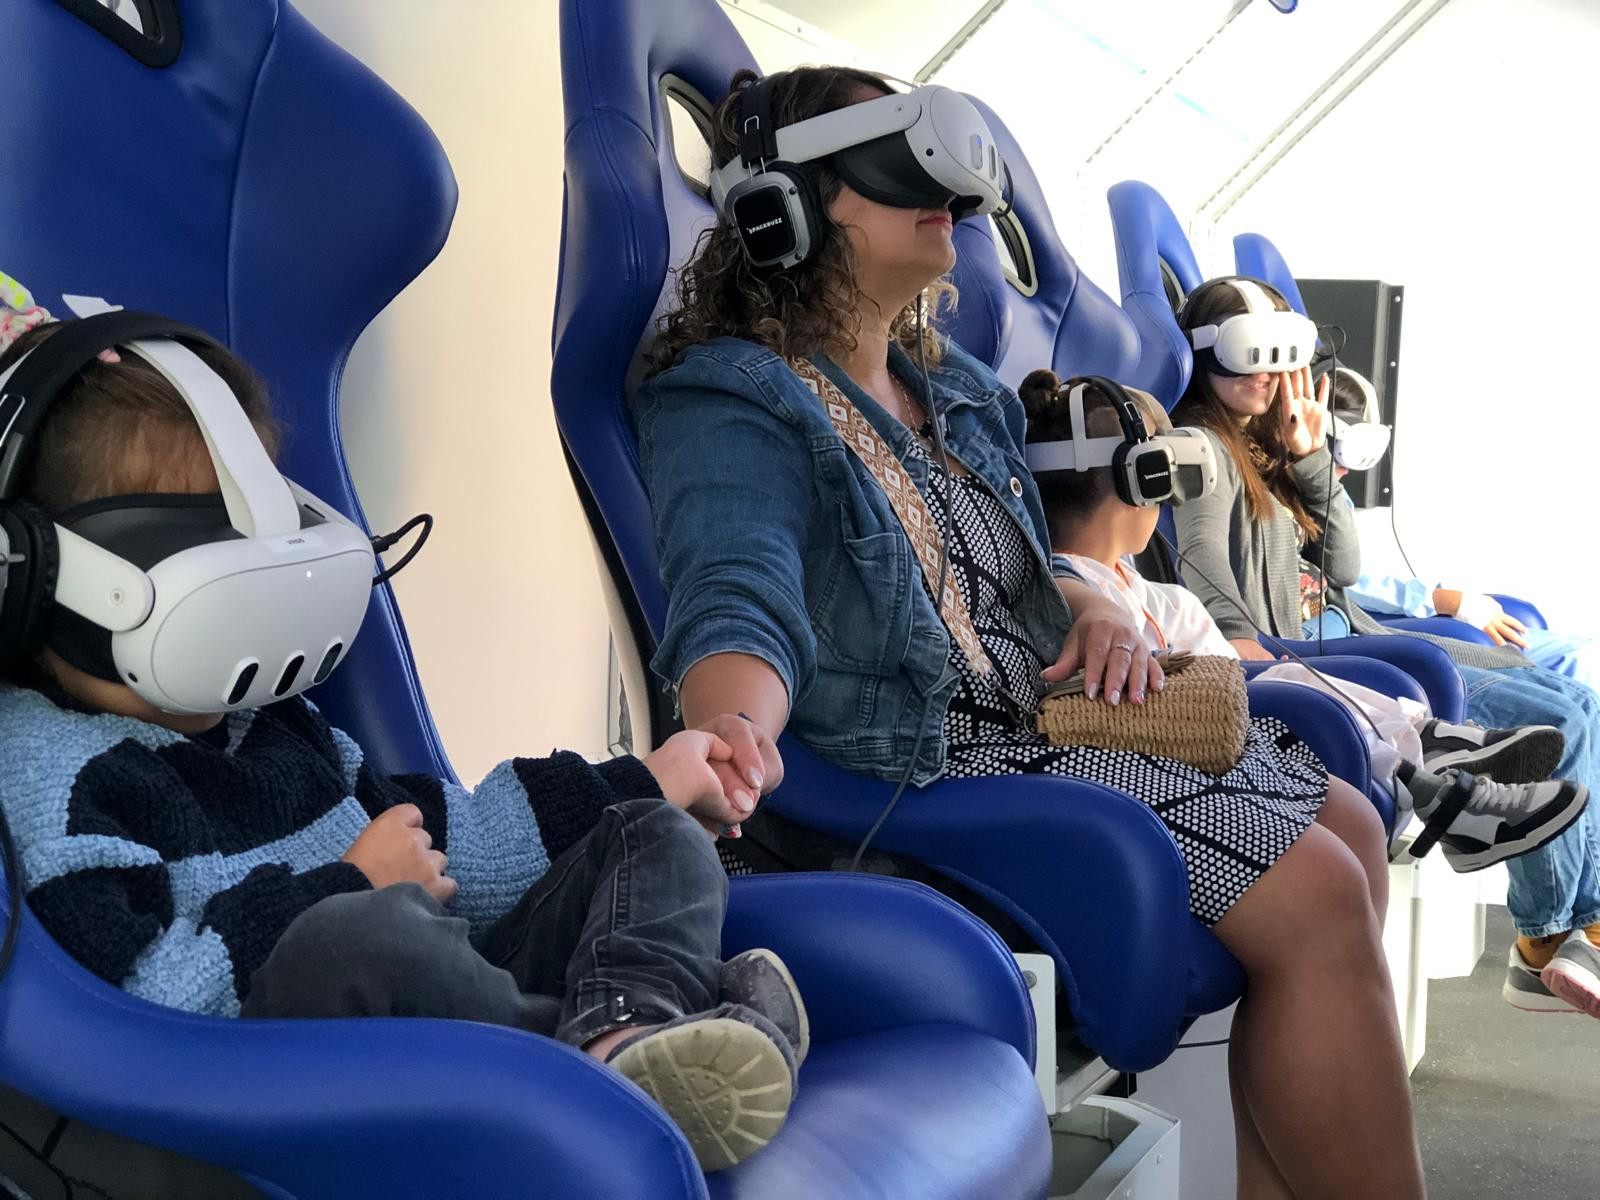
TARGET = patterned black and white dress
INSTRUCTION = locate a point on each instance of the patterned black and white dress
(1229, 828)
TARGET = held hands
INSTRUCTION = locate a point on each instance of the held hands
(1111, 650)
(717, 771)
(395, 848)
(1304, 416)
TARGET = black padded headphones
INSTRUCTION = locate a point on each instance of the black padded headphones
(1142, 477)
(1146, 469)
(777, 210)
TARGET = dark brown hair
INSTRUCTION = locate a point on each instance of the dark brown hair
(805, 309)
(118, 429)
(1258, 448)
(1070, 496)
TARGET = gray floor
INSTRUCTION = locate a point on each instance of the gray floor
(1507, 1102)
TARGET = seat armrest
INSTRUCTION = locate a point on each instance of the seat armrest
(354, 1107)
(1089, 871)
(1425, 662)
(872, 953)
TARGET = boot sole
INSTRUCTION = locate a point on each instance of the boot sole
(723, 1083)
(1574, 985)
(1527, 757)
(1542, 836)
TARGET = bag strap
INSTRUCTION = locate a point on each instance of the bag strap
(909, 507)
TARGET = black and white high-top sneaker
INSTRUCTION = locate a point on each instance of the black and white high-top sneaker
(1480, 821)
(1523, 754)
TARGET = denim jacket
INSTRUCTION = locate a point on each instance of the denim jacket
(776, 541)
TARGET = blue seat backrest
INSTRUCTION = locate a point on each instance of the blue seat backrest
(1148, 236)
(1067, 323)
(293, 195)
(1255, 256)
(629, 215)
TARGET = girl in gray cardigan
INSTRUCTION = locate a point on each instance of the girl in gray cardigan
(1278, 501)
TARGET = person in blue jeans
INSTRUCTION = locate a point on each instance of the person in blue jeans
(799, 596)
(1279, 502)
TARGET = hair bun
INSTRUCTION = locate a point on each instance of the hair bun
(1038, 389)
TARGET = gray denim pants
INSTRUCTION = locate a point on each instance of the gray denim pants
(624, 928)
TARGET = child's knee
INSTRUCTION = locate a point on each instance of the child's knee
(340, 947)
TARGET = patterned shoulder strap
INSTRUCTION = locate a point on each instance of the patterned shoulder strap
(915, 517)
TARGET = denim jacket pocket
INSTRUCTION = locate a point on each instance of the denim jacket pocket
(862, 613)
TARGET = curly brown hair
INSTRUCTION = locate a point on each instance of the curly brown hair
(810, 308)
(1259, 450)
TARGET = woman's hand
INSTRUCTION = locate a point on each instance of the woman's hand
(685, 767)
(1251, 650)
(1108, 646)
(1305, 416)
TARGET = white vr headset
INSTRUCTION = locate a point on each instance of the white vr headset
(198, 603)
(1360, 445)
(1260, 340)
(1146, 469)
(926, 148)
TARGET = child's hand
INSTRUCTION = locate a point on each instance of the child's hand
(395, 848)
(1305, 414)
(1251, 650)
(685, 766)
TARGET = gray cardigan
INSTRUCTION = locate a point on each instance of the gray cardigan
(1234, 562)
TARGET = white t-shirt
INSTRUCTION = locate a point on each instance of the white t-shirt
(1171, 617)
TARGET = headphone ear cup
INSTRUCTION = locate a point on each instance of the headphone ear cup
(1119, 476)
(30, 585)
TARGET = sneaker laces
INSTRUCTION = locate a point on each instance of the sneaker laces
(1490, 797)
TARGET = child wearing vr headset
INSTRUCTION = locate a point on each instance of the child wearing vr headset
(854, 549)
(1359, 443)
(1097, 526)
(194, 831)
(1279, 501)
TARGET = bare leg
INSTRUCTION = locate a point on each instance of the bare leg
(1259, 1177)
(1318, 1056)
(1349, 816)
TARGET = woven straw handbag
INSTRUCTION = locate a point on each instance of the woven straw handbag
(1200, 717)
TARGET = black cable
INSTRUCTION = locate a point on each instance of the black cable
(1327, 499)
(1197, 1045)
(942, 460)
(380, 544)
(69, 1183)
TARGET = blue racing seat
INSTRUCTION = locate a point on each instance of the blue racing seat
(1255, 256)
(235, 203)
(1156, 269)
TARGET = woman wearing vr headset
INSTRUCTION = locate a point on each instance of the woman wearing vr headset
(1359, 444)
(1279, 501)
(794, 451)
(1095, 532)
(228, 852)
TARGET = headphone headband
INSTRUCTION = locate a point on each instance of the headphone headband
(31, 384)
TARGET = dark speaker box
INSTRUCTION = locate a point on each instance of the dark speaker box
(1369, 312)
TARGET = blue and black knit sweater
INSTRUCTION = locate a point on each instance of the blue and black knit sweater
(170, 864)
